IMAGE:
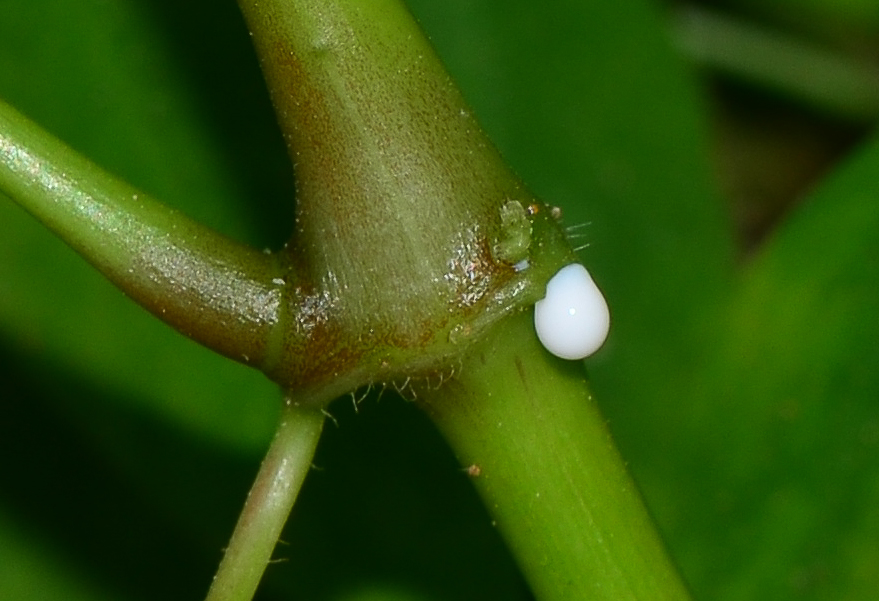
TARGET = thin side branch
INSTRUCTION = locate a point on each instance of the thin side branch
(268, 504)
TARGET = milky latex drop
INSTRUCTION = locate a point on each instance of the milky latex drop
(573, 319)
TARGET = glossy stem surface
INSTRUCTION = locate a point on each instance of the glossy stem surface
(216, 291)
(525, 424)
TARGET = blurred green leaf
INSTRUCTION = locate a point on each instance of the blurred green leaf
(829, 17)
(106, 78)
(32, 569)
(778, 437)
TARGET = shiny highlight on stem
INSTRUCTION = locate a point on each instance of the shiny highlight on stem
(221, 293)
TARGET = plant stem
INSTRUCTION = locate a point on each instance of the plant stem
(268, 504)
(546, 467)
(220, 293)
(399, 195)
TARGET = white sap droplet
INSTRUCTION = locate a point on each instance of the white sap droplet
(573, 320)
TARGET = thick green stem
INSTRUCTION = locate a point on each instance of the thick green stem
(400, 195)
(268, 504)
(216, 291)
(546, 467)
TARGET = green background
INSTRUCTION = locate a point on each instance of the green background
(742, 388)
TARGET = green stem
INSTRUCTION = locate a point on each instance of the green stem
(400, 195)
(268, 504)
(546, 467)
(222, 294)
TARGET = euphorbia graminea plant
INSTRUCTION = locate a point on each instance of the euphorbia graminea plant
(415, 260)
